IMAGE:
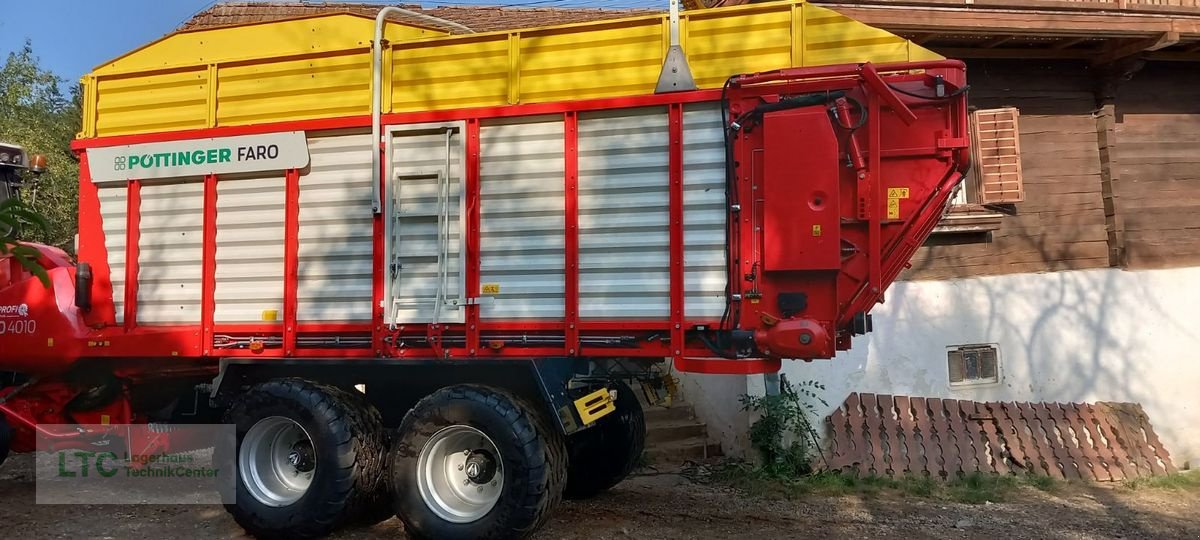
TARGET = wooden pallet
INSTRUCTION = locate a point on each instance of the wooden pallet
(884, 435)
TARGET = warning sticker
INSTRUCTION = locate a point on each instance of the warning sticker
(893, 211)
(816, 230)
(490, 288)
(897, 193)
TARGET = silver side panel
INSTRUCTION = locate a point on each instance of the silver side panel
(170, 252)
(521, 226)
(624, 243)
(425, 216)
(249, 270)
(114, 202)
(704, 212)
(335, 236)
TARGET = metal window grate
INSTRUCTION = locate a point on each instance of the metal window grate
(973, 364)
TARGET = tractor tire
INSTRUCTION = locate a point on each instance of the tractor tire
(5, 438)
(304, 451)
(371, 502)
(476, 462)
(604, 454)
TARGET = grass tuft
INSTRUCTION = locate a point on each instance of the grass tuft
(1183, 481)
(974, 488)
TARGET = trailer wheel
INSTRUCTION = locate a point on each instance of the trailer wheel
(603, 455)
(302, 451)
(5, 438)
(371, 502)
(476, 462)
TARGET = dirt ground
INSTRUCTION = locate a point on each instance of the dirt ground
(672, 505)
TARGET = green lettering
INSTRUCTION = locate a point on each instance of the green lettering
(134, 161)
(225, 154)
(184, 158)
(100, 468)
(212, 156)
(198, 157)
(62, 466)
(147, 160)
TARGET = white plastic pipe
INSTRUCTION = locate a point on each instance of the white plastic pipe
(377, 87)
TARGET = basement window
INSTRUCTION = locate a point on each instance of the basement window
(971, 365)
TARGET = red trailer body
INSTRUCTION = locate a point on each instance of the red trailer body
(833, 177)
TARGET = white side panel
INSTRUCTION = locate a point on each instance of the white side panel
(335, 237)
(249, 273)
(114, 201)
(521, 225)
(170, 252)
(703, 212)
(624, 242)
(419, 163)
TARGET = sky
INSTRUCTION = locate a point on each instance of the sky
(73, 36)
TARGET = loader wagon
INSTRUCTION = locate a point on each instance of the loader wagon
(427, 275)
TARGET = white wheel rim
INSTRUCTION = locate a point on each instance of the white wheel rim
(277, 461)
(460, 474)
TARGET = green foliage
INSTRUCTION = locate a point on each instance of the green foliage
(15, 216)
(36, 115)
(783, 435)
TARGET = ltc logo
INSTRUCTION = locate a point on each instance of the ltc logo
(14, 310)
(119, 163)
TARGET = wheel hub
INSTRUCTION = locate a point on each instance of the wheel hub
(480, 467)
(460, 474)
(276, 461)
(301, 457)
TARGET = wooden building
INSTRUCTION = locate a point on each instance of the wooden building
(1080, 284)
(1109, 100)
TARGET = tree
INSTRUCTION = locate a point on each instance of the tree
(35, 114)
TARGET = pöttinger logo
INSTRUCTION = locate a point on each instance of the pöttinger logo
(119, 163)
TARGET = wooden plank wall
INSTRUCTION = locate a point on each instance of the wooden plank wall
(1060, 225)
(1158, 157)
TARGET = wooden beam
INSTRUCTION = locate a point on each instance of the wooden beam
(1031, 54)
(996, 42)
(1161, 41)
(1173, 56)
(1110, 179)
(1068, 43)
(984, 21)
(921, 39)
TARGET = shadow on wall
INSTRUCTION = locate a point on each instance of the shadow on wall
(1091, 335)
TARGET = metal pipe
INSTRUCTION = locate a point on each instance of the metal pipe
(377, 87)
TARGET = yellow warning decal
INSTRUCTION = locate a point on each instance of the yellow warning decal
(897, 193)
(816, 230)
(893, 209)
(490, 288)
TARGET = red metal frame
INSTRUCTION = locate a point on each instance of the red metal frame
(571, 231)
(208, 278)
(133, 233)
(472, 251)
(291, 258)
(688, 355)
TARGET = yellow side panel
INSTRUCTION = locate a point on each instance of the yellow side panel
(609, 61)
(294, 90)
(320, 67)
(165, 102)
(471, 72)
(260, 42)
(718, 47)
(832, 38)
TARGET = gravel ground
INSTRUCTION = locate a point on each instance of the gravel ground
(671, 506)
